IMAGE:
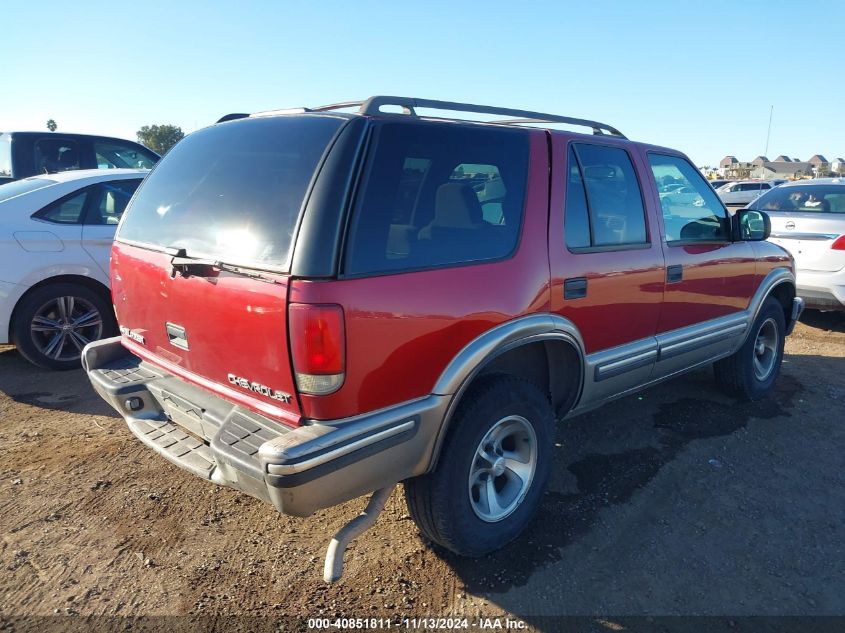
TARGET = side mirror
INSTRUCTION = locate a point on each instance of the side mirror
(750, 225)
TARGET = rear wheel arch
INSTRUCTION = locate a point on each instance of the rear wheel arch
(784, 293)
(552, 361)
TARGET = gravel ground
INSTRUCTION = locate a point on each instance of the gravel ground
(674, 501)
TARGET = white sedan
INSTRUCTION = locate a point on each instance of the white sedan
(56, 232)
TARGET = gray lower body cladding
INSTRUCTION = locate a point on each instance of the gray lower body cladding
(298, 471)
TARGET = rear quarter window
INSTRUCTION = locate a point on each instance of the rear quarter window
(437, 195)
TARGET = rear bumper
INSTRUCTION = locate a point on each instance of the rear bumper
(298, 471)
(797, 309)
(822, 290)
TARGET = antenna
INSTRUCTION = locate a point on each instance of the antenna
(769, 132)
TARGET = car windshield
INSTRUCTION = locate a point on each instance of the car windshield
(232, 192)
(12, 189)
(805, 199)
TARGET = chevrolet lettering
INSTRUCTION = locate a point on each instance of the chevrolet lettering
(264, 390)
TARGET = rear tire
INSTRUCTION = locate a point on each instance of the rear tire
(751, 372)
(54, 322)
(492, 471)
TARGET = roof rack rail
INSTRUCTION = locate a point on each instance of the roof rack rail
(373, 105)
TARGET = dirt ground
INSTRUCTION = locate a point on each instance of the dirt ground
(674, 501)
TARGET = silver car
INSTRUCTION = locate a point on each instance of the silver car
(744, 191)
(808, 219)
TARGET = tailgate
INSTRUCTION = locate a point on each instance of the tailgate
(221, 330)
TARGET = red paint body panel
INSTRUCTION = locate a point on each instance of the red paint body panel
(624, 287)
(402, 330)
(718, 278)
(234, 324)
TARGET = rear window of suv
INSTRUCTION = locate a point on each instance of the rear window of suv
(232, 192)
(437, 195)
(807, 199)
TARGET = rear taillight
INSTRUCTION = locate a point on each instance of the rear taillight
(318, 347)
(839, 243)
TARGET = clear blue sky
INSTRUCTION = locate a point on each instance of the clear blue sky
(697, 76)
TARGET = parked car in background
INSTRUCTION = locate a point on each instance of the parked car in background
(719, 183)
(24, 154)
(742, 192)
(305, 345)
(56, 233)
(808, 219)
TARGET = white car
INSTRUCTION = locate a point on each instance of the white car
(744, 191)
(56, 232)
(808, 220)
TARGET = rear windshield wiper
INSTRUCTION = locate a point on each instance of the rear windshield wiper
(183, 264)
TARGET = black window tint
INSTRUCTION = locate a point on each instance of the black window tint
(55, 155)
(696, 215)
(65, 211)
(438, 194)
(112, 200)
(617, 217)
(111, 155)
(232, 192)
(576, 223)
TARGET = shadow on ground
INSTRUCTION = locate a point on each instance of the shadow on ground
(56, 390)
(657, 425)
(828, 321)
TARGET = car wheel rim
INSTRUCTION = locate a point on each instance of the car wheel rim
(765, 350)
(503, 468)
(63, 326)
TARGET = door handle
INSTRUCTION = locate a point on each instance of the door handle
(674, 274)
(575, 288)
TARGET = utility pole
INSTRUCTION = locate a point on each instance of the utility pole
(769, 132)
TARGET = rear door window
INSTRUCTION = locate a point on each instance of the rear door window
(437, 195)
(110, 201)
(55, 155)
(604, 205)
(232, 192)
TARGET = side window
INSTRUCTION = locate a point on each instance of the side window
(118, 156)
(697, 216)
(55, 155)
(576, 220)
(435, 195)
(112, 198)
(66, 211)
(604, 205)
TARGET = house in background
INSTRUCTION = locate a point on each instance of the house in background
(782, 169)
(821, 167)
(730, 167)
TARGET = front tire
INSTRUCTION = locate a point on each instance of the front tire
(492, 470)
(751, 372)
(54, 322)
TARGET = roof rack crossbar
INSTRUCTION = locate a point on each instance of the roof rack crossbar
(373, 106)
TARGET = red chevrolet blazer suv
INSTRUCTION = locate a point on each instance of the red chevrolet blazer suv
(316, 304)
